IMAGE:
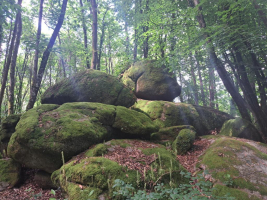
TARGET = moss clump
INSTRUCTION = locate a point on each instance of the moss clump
(97, 150)
(184, 141)
(133, 123)
(169, 134)
(9, 173)
(93, 173)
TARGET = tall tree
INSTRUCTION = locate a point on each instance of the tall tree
(36, 86)
(13, 64)
(94, 36)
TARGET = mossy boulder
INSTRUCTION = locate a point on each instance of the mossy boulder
(184, 141)
(47, 130)
(151, 82)
(133, 161)
(237, 166)
(9, 173)
(89, 86)
(7, 129)
(240, 128)
(168, 134)
(168, 114)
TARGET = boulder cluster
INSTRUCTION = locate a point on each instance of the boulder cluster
(84, 121)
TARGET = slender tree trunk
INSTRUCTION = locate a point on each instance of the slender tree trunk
(102, 39)
(212, 86)
(201, 83)
(45, 57)
(20, 87)
(61, 60)
(8, 61)
(195, 90)
(135, 31)
(13, 65)
(85, 36)
(38, 36)
(1, 39)
(94, 35)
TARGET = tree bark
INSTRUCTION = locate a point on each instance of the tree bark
(94, 36)
(85, 36)
(201, 83)
(35, 87)
(102, 38)
(13, 65)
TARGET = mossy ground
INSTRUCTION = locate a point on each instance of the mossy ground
(99, 173)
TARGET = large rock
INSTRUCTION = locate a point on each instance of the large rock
(9, 173)
(241, 128)
(167, 114)
(151, 82)
(127, 160)
(89, 86)
(237, 167)
(7, 129)
(45, 131)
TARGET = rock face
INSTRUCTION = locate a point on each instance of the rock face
(240, 128)
(167, 114)
(7, 129)
(119, 159)
(151, 82)
(89, 86)
(9, 173)
(45, 131)
(237, 166)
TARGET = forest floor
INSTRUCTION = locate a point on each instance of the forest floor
(28, 190)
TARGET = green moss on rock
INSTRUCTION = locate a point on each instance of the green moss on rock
(167, 114)
(169, 134)
(240, 128)
(151, 81)
(184, 141)
(133, 123)
(83, 174)
(47, 130)
(237, 166)
(9, 173)
(89, 86)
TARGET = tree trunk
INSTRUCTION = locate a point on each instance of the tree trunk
(201, 83)
(195, 90)
(8, 61)
(35, 87)
(13, 65)
(61, 60)
(94, 36)
(212, 86)
(102, 39)
(38, 36)
(85, 36)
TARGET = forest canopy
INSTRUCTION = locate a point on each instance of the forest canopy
(217, 49)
